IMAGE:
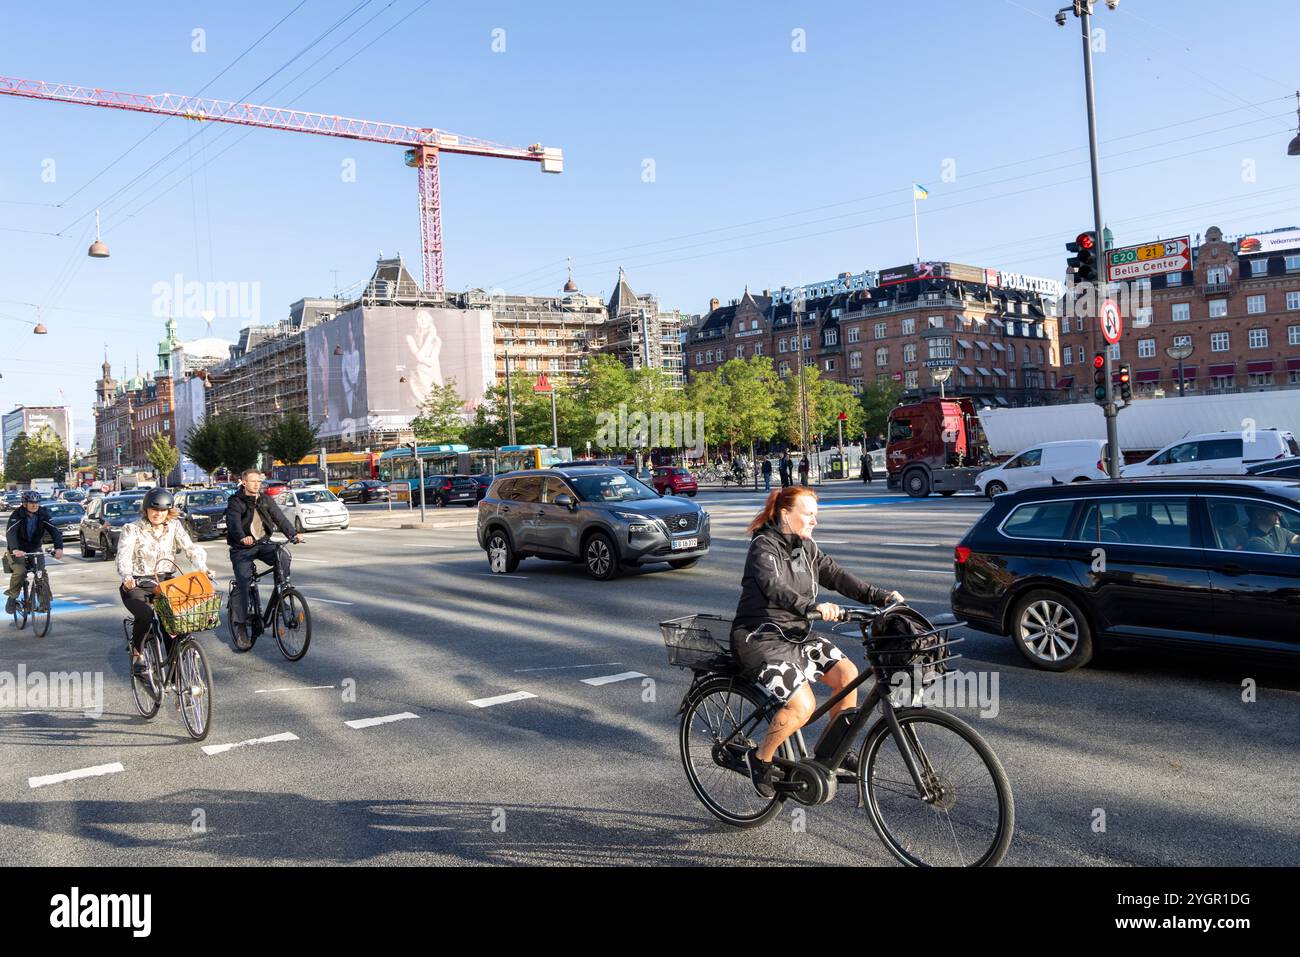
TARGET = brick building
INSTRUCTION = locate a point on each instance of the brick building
(1238, 307)
(997, 329)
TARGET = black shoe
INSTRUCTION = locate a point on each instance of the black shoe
(138, 668)
(760, 773)
(850, 762)
(11, 605)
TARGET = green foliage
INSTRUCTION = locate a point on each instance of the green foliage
(440, 420)
(876, 401)
(39, 456)
(228, 440)
(291, 439)
(203, 444)
(163, 456)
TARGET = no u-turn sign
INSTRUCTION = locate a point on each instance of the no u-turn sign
(1111, 323)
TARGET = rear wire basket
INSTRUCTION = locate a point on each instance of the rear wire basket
(698, 642)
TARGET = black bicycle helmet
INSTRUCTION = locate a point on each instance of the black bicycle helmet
(157, 498)
(31, 495)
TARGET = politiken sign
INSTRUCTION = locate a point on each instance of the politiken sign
(1149, 259)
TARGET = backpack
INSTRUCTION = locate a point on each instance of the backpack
(904, 640)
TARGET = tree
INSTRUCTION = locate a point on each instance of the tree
(791, 419)
(203, 444)
(877, 400)
(441, 419)
(36, 456)
(163, 456)
(291, 439)
(833, 398)
(241, 442)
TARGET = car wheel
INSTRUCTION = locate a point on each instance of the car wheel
(1051, 631)
(106, 549)
(502, 559)
(916, 483)
(297, 524)
(994, 488)
(601, 559)
(947, 492)
(691, 494)
(86, 551)
(1081, 478)
(684, 563)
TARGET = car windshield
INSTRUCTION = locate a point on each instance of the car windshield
(65, 508)
(315, 496)
(611, 488)
(205, 499)
(126, 506)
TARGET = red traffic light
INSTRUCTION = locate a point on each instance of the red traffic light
(1099, 360)
(1123, 376)
(1086, 240)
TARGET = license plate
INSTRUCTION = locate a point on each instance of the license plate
(680, 543)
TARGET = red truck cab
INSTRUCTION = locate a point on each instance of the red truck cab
(934, 445)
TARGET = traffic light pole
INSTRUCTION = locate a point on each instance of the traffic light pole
(1083, 8)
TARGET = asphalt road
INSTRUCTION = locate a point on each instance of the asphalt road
(501, 748)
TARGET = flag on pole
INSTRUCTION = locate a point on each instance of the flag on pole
(919, 191)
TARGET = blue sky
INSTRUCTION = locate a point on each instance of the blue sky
(770, 165)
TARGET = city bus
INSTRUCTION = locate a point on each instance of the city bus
(399, 465)
(511, 457)
(342, 468)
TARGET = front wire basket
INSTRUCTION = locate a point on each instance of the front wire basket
(927, 653)
(698, 642)
(202, 614)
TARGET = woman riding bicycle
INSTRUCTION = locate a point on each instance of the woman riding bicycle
(154, 538)
(771, 635)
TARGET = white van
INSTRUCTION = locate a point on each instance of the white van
(1048, 463)
(1216, 453)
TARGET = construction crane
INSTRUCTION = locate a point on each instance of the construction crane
(424, 144)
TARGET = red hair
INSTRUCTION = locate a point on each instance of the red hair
(778, 500)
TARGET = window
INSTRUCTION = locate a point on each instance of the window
(1026, 460)
(1174, 279)
(1254, 305)
(1257, 338)
(1216, 276)
(1219, 342)
(532, 365)
(835, 313)
(1259, 378)
(784, 368)
(1027, 359)
(753, 324)
(831, 337)
(935, 322)
(1231, 522)
(909, 326)
(1218, 308)
(1041, 357)
(1142, 317)
(1182, 311)
(1038, 520)
(1293, 300)
(880, 330)
(1146, 348)
(1113, 349)
(856, 384)
(1138, 521)
(911, 379)
(1067, 355)
(758, 348)
(855, 360)
(1065, 324)
(554, 365)
(1293, 335)
(940, 348)
(1182, 340)
(780, 345)
(830, 365)
(1221, 382)
(882, 356)
(553, 342)
(853, 334)
(1292, 263)
(909, 352)
(1259, 267)
(809, 362)
(807, 343)
(740, 352)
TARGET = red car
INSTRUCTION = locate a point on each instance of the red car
(675, 481)
(274, 487)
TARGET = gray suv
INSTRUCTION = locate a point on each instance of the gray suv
(601, 517)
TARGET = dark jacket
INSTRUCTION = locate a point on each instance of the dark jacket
(767, 466)
(239, 518)
(785, 466)
(16, 531)
(782, 573)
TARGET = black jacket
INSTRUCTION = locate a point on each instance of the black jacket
(239, 518)
(782, 573)
(16, 532)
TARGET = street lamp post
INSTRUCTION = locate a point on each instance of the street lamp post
(1180, 353)
(796, 313)
(510, 395)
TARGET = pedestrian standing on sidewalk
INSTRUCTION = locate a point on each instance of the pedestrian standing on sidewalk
(867, 477)
(803, 469)
(786, 468)
(767, 474)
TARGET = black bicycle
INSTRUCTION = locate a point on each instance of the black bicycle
(176, 664)
(35, 600)
(933, 789)
(287, 614)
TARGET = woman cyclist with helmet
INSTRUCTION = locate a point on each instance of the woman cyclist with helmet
(771, 635)
(156, 536)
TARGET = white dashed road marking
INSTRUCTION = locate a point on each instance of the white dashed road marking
(927, 571)
(610, 679)
(269, 739)
(522, 578)
(502, 699)
(384, 719)
(599, 664)
(328, 601)
(304, 688)
(42, 780)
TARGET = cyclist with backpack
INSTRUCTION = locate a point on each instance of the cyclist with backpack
(24, 533)
(771, 635)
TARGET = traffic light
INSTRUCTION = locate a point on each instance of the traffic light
(1082, 265)
(1099, 378)
(1125, 383)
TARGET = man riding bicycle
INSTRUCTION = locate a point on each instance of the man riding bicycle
(24, 533)
(771, 635)
(251, 517)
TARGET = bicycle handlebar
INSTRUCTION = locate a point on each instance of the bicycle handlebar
(859, 614)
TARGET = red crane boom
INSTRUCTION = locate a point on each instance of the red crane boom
(424, 143)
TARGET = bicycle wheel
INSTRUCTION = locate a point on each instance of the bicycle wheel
(242, 637)
(292, 624)
(146, 689)
(971, 822)
(194, 686)
(43, 605)
(20, 609)
(715, 712)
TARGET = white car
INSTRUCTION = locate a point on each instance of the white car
(1048, 463)
(1216, 453)
(313, 508)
